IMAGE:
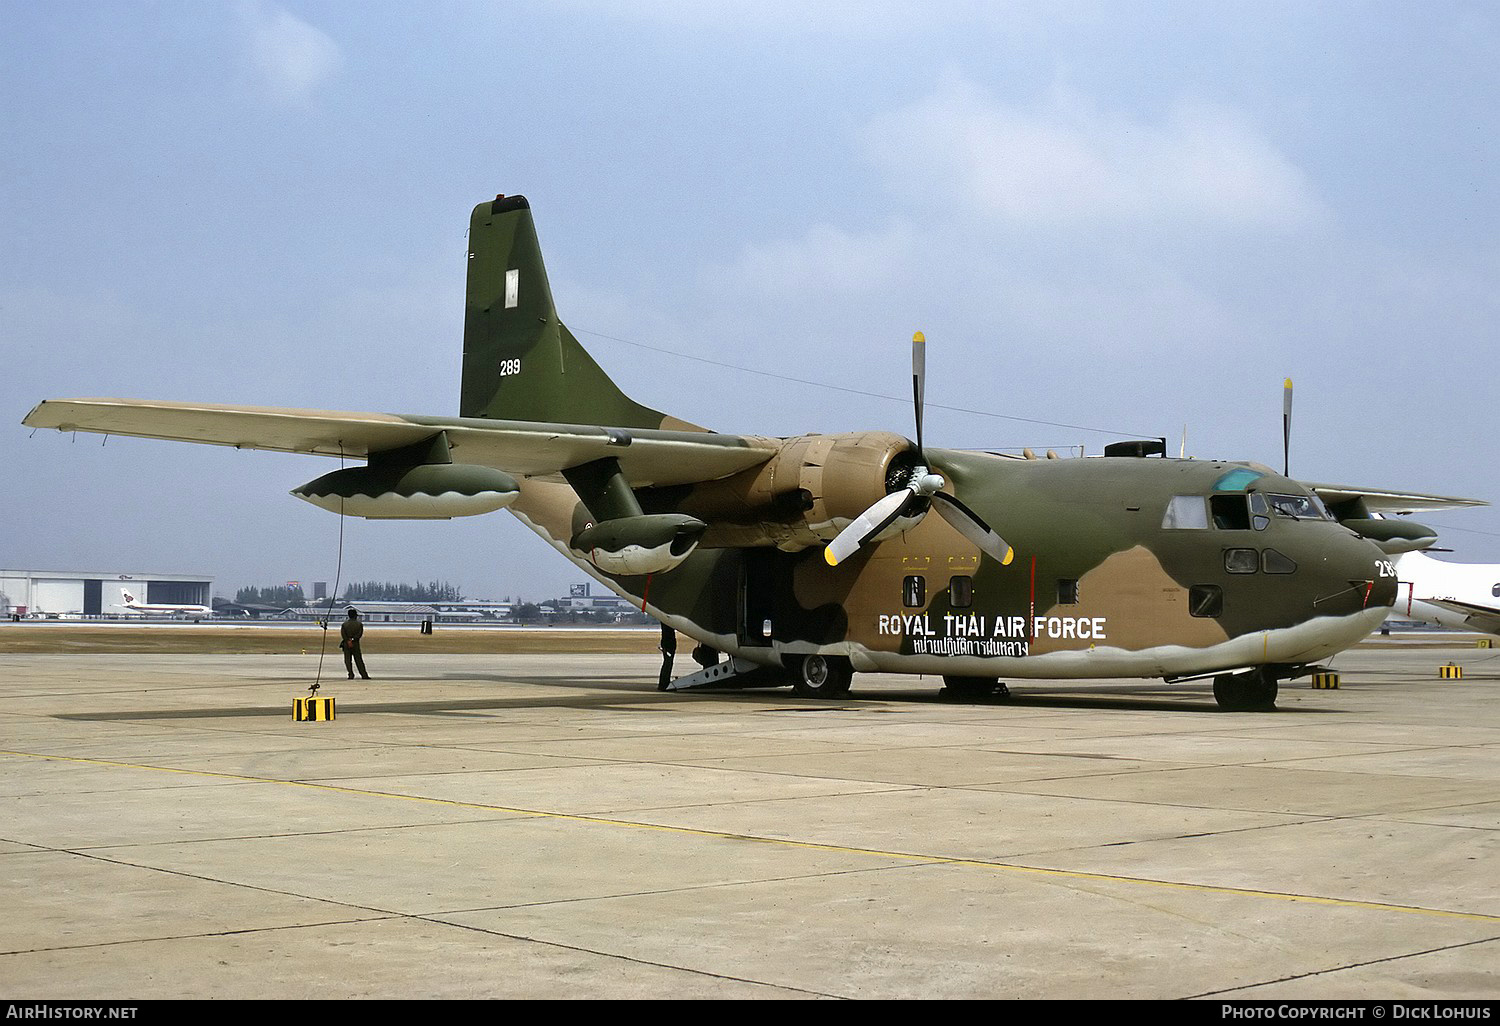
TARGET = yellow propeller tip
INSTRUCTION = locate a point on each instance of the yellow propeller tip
(919, 337)
(1010, 554)
(828, 557)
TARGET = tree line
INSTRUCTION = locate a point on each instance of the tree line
(288, 596)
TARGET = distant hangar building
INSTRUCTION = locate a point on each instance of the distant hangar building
(93, 593)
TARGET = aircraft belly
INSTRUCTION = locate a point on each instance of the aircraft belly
(1307, 642)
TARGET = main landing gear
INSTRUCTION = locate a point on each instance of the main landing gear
(1251, 691)
(973, 689)
(820, 676)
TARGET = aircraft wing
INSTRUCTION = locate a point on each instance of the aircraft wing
(528, 449)
(1377, 501)
(1481, 618)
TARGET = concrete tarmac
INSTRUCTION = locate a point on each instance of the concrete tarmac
(525, 826)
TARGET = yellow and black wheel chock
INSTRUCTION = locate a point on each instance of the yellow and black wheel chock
(312, 707)
(1326, 680)
(1451, 672)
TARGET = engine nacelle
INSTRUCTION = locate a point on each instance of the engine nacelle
(1392, 536)
(646, 544)
(429, 491)
(806, 494)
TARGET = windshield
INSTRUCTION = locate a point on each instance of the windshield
(1298, 507)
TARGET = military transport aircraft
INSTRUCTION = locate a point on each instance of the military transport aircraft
(811, 557)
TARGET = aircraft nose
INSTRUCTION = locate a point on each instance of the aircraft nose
(1358, 575)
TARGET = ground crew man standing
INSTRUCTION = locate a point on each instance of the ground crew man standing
(349, 635)
(668, 650)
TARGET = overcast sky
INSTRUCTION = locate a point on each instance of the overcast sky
(1109, 219)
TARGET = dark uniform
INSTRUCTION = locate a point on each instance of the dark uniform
(668, 650)
(349, 635)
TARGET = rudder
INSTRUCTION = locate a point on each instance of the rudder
(520, 362)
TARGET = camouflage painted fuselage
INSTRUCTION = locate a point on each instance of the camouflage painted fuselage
(1099, 586)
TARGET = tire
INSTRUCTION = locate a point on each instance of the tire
(1254, 691)
(971, 688)
(820, 676)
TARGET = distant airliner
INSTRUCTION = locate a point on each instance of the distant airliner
(163, 609)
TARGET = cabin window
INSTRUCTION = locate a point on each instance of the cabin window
(914, 591)
(961, 592)
(1067, 591)
(1241, 561)
(1205, 600)
(1273, 562)
(1231, 512)
(1495, 591)
(1185, 511)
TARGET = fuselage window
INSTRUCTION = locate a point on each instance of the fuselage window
(1231, 512)
(961, 592)
(1067, 591)
(914, 591)
(1185, 511)
(1205, 600)
(1241, 561)
(1273, 562)
(1495, 591)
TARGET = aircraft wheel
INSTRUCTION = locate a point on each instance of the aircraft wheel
(820, 676)
(1254, 691)
(974, 688)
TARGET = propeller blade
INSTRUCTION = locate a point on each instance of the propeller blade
(919, 383)
(972, 526)
(868, 524)
(1286, 429)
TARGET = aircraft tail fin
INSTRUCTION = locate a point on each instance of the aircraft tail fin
(520, 361)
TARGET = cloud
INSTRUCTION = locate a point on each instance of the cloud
(824, 260)
(291, 57)
(1067, 163)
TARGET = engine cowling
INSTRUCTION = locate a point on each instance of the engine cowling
(1392, 536)
(813, 488)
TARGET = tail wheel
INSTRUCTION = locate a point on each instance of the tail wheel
(820, 676)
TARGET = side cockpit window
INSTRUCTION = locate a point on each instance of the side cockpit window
(1230, 512)
(1186, 511)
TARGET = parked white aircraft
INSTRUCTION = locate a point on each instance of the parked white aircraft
(1465, 596)
(163, 609)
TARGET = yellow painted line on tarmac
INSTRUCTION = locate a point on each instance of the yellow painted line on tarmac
(1002, 867)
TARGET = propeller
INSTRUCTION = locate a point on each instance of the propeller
(923, 491)
(1286, 429)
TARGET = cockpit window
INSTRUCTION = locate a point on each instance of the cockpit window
(1185, 511)
(1231, 512)
(1298, 507)
(1237, 480)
